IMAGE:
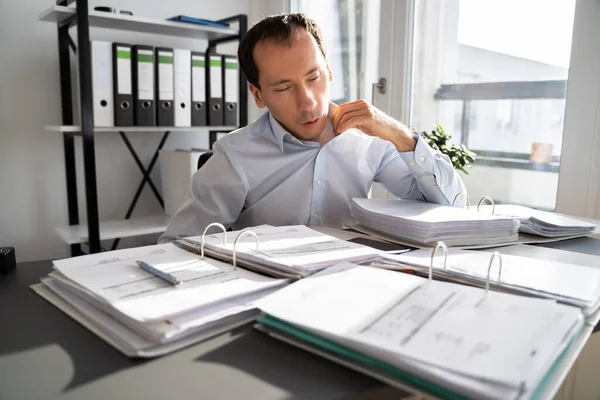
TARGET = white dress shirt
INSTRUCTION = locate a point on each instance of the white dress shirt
(261, 174)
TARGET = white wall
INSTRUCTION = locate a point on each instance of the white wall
(32, 174)
(579, 183)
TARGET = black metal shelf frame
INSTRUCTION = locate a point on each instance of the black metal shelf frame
(83, 53)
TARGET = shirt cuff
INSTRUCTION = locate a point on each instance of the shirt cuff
(422, 159)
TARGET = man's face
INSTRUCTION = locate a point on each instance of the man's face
(294, 84)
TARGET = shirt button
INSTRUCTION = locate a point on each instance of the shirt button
(422, 158)
(316, 215)
(318, 182)
(412, 163)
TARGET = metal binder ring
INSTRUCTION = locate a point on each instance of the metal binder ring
(198, 106)
(487, 281)
(488, 198)
(124, 105)
(466, 196)
(230, 106)
(146, 104)
(202, 241)
(216, 107)
(437, 246)
(242, 234)
(166, 104)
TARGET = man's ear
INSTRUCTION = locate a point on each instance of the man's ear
(257, 96)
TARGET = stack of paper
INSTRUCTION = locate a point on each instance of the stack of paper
(438, 338)
(285, 251)
(424, 224)
(543, 223)
(146, 316)
(568, 283)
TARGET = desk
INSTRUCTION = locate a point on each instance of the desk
(44, 353)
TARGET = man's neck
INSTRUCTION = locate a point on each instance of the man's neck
(327, 133)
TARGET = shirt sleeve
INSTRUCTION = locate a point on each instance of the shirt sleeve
(218, 193)
(422, 174)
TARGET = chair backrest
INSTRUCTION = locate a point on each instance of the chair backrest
(204, 158)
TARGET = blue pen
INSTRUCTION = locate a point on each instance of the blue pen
(159, 274)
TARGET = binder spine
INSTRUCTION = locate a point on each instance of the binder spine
(164, 95)
(230, 90)
(183, 87)
(102, 82)
(143, 85)
(199, 88)
(122, 85)
(214, 84)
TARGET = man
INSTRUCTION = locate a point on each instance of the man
(304, 160)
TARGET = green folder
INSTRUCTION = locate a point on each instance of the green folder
(417, 382)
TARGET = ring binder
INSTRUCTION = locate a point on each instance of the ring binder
(437, 246)
(204, 233)
(488, 198)
(487, 280)
(242, 234)
(466, 196)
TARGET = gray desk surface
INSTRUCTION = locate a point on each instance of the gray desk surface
(46, 354)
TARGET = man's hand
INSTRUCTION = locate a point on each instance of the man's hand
(365, 117)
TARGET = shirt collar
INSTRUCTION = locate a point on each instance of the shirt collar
(278, 131)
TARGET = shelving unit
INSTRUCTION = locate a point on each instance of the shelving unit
(99, 19)
(67, 16)
(77, 128)
(78, 234)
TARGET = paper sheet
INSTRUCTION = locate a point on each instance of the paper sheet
(138, 294)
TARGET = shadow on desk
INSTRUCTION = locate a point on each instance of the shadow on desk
(299, 373)
(33, 324)
(586, 245)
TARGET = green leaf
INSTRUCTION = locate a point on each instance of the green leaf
(459, 156)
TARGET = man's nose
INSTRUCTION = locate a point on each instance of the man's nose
(306, 99)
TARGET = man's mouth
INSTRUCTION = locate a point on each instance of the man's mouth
(312, 122)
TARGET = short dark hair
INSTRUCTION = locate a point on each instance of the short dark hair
(277, 28)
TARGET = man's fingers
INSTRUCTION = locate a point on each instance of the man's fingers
(348, 107)
(347, 116)
(353, 122)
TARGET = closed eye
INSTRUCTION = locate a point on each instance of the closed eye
(282, 90)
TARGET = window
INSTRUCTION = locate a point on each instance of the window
(347, 27)
(504, 115)
(495, 72)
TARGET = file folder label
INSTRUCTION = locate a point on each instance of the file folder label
(165, 75)
(124, 70)
(198, 79)
(145, 75)
(216, 91)
(231, 80)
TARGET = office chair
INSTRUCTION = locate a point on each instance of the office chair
(204, 158)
